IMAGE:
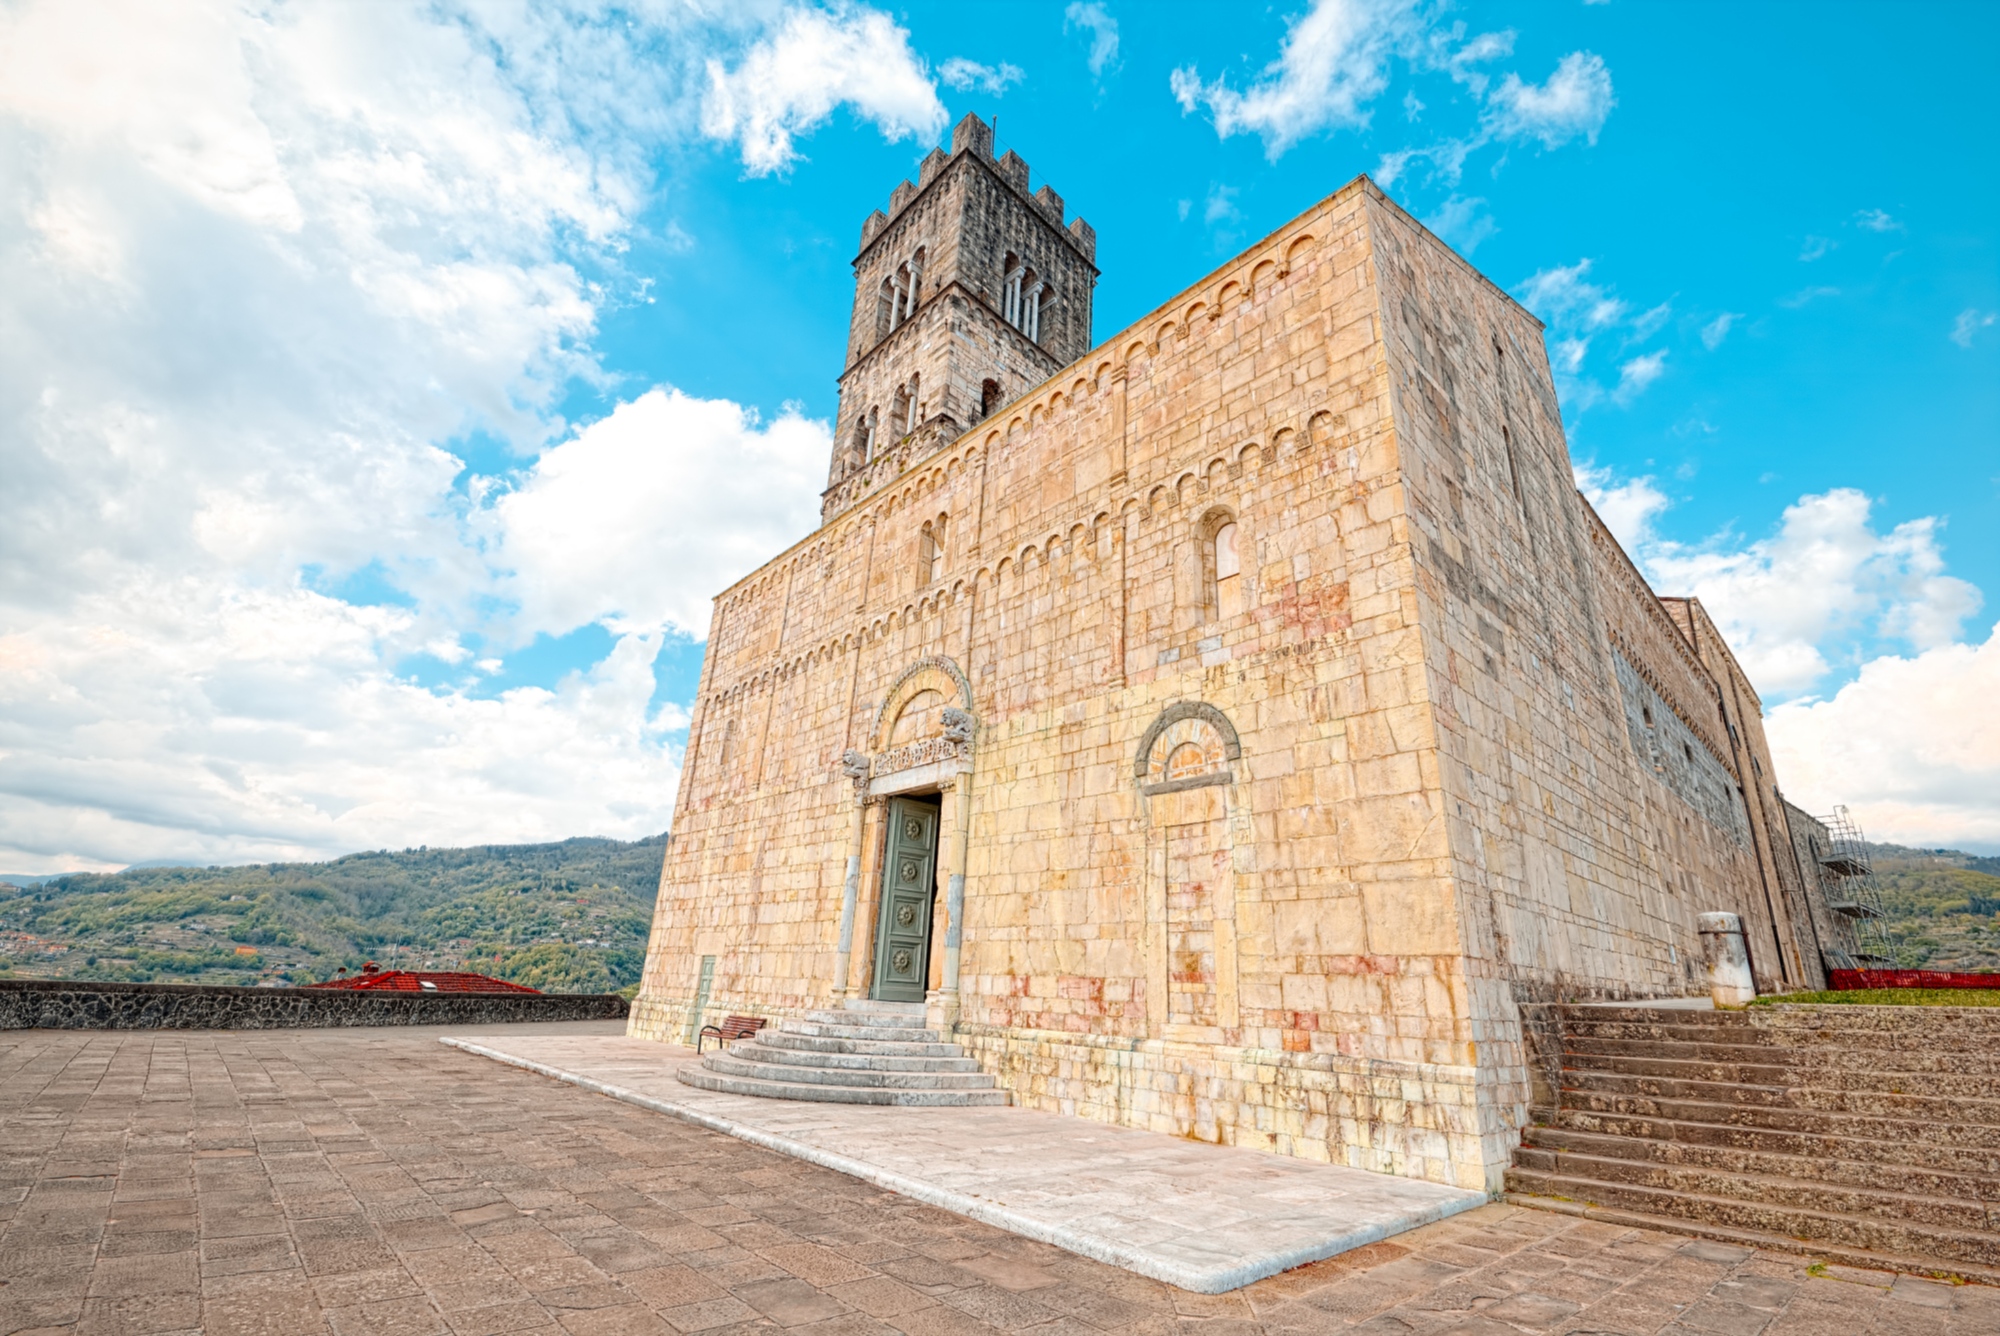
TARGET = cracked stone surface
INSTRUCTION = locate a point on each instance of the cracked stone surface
(351, 1181)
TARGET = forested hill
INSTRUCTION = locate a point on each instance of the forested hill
(569, 917)
(1941, 907)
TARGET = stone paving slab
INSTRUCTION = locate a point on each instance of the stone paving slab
(368, 1182)
(1206, 1218)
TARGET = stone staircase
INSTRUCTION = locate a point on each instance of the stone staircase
(865, 1053)
(1868, 1135)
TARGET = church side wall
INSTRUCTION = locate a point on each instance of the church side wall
(1785, 922)
(1579, 872)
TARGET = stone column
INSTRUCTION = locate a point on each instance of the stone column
(855, 766)
(1119, 376)
(1729, 981)
(941, 1012)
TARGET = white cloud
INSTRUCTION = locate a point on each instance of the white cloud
(1912, 745)
(1221, 205)
(1816, 248)
(960, 73)
(1092, 17)
(1805, 296)
(791, 81)
(1332, 64)
(1825, 580)
(1627, 508)
(1335, 61)
(1564, 295)
(1634, 376)
(190, 721)
(1970, 321)
(1463, 222)
(644, 516)
(1716, 330)
(264, 270)
(1575, 101)
(1876, 220)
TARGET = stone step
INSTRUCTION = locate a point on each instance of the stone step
(1819, 1159)
(887, 1048)
(871, 1005)
(1953, 1024)
(894, 1034)
(1972, 1247)
(756, 1050)
(734, 1064)
(1790, 1072)
(1969, 1136)
(1952, 1213)
(1845, 1019)
(703, 1079)
(856, 1019)
(1901, 1150)
(1583, 1050)
(1864, 1258)
(1870, 1103)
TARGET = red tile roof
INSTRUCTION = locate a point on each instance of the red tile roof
(373, 979)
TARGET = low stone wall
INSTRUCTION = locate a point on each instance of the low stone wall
(1416, 1120)
(67, 1004)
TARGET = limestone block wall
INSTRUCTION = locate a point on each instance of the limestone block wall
(1580, 863)
(1416, 800)
(1082, 600)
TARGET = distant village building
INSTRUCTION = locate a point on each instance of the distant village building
(1223, 728)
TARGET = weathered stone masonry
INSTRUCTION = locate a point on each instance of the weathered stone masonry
(1277, 656)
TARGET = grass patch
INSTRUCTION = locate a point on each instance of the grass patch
(1891, 997)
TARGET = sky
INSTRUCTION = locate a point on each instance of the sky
(386, 389)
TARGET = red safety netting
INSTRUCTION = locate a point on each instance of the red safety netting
(1847, 980)
(373, 979)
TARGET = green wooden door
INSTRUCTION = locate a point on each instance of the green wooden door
(909, 876)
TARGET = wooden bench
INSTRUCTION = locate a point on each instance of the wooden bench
(732, 1029)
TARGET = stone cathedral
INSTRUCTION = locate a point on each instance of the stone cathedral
(1222, 728)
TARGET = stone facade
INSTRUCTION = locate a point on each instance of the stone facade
(1279, 690)
(72, 1004)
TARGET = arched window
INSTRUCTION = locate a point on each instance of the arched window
(899, 413)
(915, 293)
(868, 439)
(930, 551)
(1222, 566)
(989, 399)
(885, 309)
(1011, 274)
(1030, 322)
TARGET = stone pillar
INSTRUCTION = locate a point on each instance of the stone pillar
(941, 1007)
(1118, 410)
(1729, 979)
(855, 766)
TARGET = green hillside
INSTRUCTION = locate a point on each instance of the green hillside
(1942, 907)
(568, 918)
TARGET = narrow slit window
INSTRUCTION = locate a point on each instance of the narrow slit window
(1227, 563)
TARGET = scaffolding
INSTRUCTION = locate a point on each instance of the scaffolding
(1847, 878)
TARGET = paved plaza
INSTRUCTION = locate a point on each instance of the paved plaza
(375, 1181)
(1202, 1217)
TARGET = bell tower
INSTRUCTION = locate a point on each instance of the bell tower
(968, 291)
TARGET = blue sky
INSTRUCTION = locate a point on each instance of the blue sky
(389, 388)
